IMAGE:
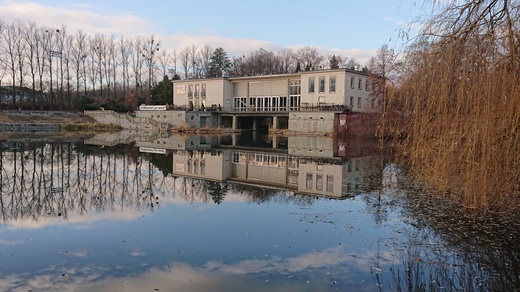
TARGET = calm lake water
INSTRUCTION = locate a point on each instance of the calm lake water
(128, 212)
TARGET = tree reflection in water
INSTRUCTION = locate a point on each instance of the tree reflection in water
(440, 247)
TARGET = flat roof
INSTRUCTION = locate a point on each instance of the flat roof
(274, 76)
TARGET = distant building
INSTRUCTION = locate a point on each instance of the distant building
(318, 90)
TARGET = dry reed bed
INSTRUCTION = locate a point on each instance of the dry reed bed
(461, 105)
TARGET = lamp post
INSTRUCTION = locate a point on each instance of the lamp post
(56, 54)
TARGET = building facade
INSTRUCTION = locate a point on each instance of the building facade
(317, 90)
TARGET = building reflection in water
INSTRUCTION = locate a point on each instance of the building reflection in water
(315, 167)
(306, 164)
(430, 246)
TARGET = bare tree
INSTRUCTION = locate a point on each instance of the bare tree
(194, 59)
(149, 51)
(31, 35)
(184, 56)
(125, 51)
(98, 49)
(137, 63)
(78, 55)
(352, 64)
(383, 68)
(164, 60)
(309, 57)
(20, 45)
(111, 66)
(205, 55)
(288, 60)
(9, 51)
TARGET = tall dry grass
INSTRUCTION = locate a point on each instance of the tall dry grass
(460, 100)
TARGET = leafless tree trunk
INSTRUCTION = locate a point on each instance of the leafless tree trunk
(137, 63)
(194, 59)
(9, 51)
(78, 56)
(184, 56)
(205, 55)
(125, 50)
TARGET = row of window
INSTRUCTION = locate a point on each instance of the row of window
(266, 103)
(199, 89)
(321, 84)
(332, 84)
(196, 165)
(319, 182)
(265, 159)
(360, 100)
(360, 83)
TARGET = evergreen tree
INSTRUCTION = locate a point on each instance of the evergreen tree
(334, 62)
(298, 67)
(218, 63)
(162, 92)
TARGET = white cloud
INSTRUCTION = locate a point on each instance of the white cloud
(75, 18)
(103, 20)
(245, 275)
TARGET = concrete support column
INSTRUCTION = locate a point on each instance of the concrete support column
(275, 142)
(233, 139)
(275, 122)
(234, 123)
(255, 124)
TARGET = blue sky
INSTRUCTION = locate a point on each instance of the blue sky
(351, 28)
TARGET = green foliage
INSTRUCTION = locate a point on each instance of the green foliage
(218, 62)
(217, 191)
(163, 163)
(162, 93)
(298, 67)
(334, 62)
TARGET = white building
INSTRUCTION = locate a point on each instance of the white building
(317, 90)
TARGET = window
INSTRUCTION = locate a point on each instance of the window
(308, 181)
(319, 182)
(295, 97)
(373, 102)
(330, 183)
(311, 84)
(352, 82)
(359, 102)
(295, 88)
(366, 85)
(240, 104)
(190, 91)
(203, 91)
(197, 91)
(360, 81)
(332, 84)
(239, 157)
(352, 101)
(202, 167)
(322, 84)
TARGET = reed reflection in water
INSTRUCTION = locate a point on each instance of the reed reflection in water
(387, 236)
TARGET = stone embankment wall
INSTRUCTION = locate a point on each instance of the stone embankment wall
(126, 121)
(312, 122)
(171, 118)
